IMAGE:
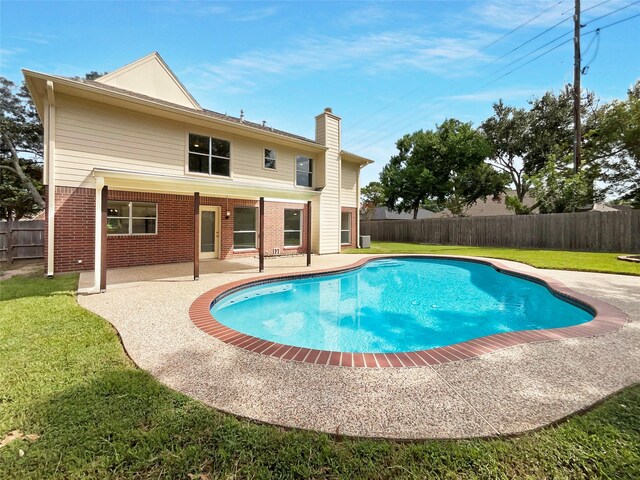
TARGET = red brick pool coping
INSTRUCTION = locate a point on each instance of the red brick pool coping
(606, 319)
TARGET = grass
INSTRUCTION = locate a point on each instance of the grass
(553, 259)
(64, 376)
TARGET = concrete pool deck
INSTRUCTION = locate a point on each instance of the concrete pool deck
(505, 392)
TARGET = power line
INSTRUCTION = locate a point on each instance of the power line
(522, 25)
(449, 101)
(586, 9)
(551, 28)
(360, 139)
(410, 92)
(567, 33)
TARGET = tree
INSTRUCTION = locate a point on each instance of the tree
(559, 190)
(21, 153)
(445, 167)
(92, 75)
(617, 146)
(508, 132)
(371, 196)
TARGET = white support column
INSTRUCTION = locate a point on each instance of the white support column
(97, 263)
(358, 207)
(49, 155)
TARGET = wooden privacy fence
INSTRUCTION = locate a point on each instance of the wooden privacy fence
(589, 231)
(21, 240)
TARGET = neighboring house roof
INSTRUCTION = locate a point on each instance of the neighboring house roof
(383, 213)
(490, 207)
(598, 207)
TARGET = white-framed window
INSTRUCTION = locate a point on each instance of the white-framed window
(208, 155)
(270, 158)
(292, 228)
(345, 228)
(131, 218)
(244, 228)
(304, 171)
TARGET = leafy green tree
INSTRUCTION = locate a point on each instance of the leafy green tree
(617, 146)
(21, 153)
(445, 167)
(507, 131)
(371, 196)
(558, 190)
(549, 133)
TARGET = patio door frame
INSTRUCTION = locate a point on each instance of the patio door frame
(216, 253)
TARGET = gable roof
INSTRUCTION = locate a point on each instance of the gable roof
(92, 89)
(210, 113)
(151, 76)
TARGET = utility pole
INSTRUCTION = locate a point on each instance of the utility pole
(577, 130)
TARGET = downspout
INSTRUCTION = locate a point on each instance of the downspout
(49, 155)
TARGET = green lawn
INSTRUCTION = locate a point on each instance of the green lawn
(554, 259)
(64, 376)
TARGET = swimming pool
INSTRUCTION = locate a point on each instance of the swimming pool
(395, 305)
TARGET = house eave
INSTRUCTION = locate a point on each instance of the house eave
(353, 158)
(135, 181)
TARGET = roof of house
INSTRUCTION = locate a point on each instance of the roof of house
(383, 213)
(211, 113)
(126, 87)
(491, 207)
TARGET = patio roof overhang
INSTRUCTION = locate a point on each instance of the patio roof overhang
(134, 181)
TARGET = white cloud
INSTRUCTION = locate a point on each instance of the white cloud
(38, 38)
(7, 55)
(257, 14)
(369, 15)
(388, 51)
(509, 14)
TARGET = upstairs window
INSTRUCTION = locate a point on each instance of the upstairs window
(304, 171)
(209, 155)
(131, 218)
(244, 228)
(269, 158)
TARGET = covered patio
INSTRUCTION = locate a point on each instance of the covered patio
(204, 210)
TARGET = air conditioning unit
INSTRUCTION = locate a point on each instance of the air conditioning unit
(365, 241)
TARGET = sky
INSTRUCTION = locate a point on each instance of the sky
(386, 68)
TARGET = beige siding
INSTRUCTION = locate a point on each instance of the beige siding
(349, 185)
(328, 133)
(92, 135)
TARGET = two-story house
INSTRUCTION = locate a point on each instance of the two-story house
(138, 173)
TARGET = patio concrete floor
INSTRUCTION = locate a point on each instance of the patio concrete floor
(505, 392)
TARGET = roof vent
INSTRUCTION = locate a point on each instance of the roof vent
(242, 115)
(328, 110)
(264, 123)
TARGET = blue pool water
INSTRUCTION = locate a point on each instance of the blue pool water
(395, 305)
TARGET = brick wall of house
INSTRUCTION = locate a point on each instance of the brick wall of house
(74, 229)
(354, 228)
(75, 226)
